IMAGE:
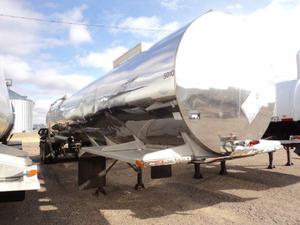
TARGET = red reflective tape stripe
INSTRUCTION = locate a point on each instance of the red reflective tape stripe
(288, 119)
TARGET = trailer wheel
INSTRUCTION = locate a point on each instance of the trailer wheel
(56, 156)
(43, 132)
(76, 155)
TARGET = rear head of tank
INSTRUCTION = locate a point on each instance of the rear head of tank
(223, 81)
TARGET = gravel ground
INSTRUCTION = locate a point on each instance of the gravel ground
(249, 194)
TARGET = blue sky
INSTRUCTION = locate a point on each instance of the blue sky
(48, 60)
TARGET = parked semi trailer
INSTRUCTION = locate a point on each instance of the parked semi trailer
(17, 171)
(285, 124)
(197, 96)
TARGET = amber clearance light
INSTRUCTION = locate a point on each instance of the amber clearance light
(139, 163)
(32, 173)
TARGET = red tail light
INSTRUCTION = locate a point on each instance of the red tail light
(287, 119)
(253, 142)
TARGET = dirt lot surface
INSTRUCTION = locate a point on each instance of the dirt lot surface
(249, 194)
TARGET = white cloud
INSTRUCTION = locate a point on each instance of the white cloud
(49, 80)
(18, 36)
(60, 83)
(143, 27)
(41, 107)
(142, 22)
(235, 6)
(75, 14)
(14, 68)
(172, 4)
(42, 86)
(103, 59)
(286, 2)
(43, 104)
(277, 25)
(77, 34)
(22, 37)
(170, 27)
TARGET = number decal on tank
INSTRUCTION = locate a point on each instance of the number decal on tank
(169, 74)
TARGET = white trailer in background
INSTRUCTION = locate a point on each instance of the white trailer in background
(288, 98)
(285, 123)
(17, 171)
(17, 174)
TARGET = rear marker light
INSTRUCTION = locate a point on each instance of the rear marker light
(139, 163)
(253, 142)
(32, 173)
(287, 119)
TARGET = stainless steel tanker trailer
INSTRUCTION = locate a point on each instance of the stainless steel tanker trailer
(17, 171)
(6, 112)
(202, 94)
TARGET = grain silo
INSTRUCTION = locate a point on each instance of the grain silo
(23, 110)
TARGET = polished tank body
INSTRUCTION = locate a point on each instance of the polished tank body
(6, 113)
(206, 80)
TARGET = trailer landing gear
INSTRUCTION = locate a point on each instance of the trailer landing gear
(223, 170)
(288, 154)
(139, 185)
(92, 173)
(197, 174)
(139, 175)
(271, 166)
(100, 190)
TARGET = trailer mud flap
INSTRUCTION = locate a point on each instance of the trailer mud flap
(91, 171)
(161, 171)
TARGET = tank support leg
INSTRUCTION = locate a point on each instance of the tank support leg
(271, 166)
(139, 174)
(140, 184)
(288, 154)
(197, 174)
(100, 190)
(223, 170)
(92, 173)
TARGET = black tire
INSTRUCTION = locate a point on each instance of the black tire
(56, 157)
(43, 132)
(12, 196)
(44, 153)
(76, 154)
